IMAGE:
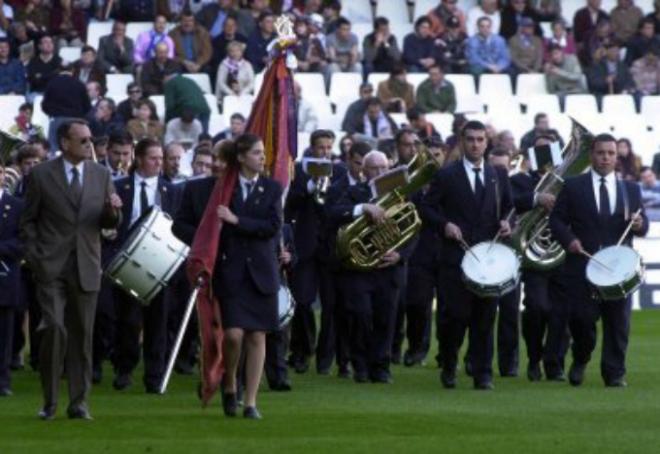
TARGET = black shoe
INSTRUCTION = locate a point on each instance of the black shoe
(557, 376)
(412, 359)
(468, 368)
(485, 385)
(281, 386)
(47, 413)
(448, 379)
(323, 371)
(344, 372)
(576, 373)
(360, 377)
(508, 373)
(122, 381)
(97, 375)
(229, 404)
(396, 357)
(79, 413)
(534, 372)
(251, 413)
(152, 389)
(382, 377)
(616, 383)
(300, 366)
(5, 392)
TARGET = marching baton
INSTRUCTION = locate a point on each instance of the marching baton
(180, 334)
(591, 257)
(630, 224)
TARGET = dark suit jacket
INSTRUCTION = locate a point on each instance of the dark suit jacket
(576, 216)
(53, 225)
(522, 189)
(428, 250)
(152, 75)
(96, 74)
(582, 25)
(110, 55)
(11, 250)
(248, 247)
(509, 23)
(597, 77)
(451, 199)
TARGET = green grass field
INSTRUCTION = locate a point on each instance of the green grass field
(327, 414)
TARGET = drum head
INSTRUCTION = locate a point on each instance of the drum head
(496, 264)
(623, 263)
(284, 305)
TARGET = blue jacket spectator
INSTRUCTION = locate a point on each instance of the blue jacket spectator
(12, 72)
(487, 52)
(258, 41)
(419, 47)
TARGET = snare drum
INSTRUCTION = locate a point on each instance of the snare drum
(495, 273)
(624, 273)
(148, 258)
(285, 306)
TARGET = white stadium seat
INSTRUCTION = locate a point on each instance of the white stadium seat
(234, 104)
(159, 102)
(531, 84)
(580, 104)
(494, 85)
(311, 83)
(212, 102)
(216, 124)
(463, 84)
(618, 105)
(541, 103)
(202, 80)
(416, 79)
(116, 84)
(38, 115)
(376, 78)
(394, 10)
(344, 86)
(96, 30)
(469, 103)
(133, 29)
(442, 123)
(357, 10)
(69, 54)
(9, 110)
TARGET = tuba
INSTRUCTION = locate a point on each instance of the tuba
(531, 236)
(361, 244)
(8, 144)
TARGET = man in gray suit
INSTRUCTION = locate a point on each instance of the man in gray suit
(68, 201)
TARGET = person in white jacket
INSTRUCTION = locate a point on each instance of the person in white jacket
(235, 74)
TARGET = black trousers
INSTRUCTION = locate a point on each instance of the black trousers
(132, 318)
(558, 337)
(421, 289)
(276, 348)
(372, 298)
(104, 325)
(304, 287)
(399, 324)
(508, 332)
(333, 336)
(536, 313)
(7, 318)
(463, 311)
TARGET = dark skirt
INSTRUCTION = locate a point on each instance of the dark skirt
(243, 306)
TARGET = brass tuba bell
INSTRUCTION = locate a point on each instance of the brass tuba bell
(531, 236)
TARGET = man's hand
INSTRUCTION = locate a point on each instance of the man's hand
(389, 259)
(285, 257)
(453, 232)
(225, 214)
(115, 201)
(576, 247)
(375, 213)
(505, 229)
(547, 201)
(638, 223)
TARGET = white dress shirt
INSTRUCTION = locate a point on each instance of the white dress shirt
(151, 189)
(244, 182)
(610, 183)
(68, 167)
(472, 175)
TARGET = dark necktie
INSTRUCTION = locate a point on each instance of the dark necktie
(75, 187)
(604, 210)
(144, 200)
(248, 189)
(478, 186)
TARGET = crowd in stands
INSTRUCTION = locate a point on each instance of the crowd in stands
(596, 51)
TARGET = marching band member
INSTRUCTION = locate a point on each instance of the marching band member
(468, 201)
(590, 214)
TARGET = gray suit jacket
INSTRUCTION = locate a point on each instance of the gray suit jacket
(109, 54)
(53, 225)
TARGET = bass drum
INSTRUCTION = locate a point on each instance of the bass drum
(491, 270)
(285, 305)
(622, 274)
(148, 258)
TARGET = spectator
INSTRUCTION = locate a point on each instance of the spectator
(235, 75)
(487, 52)
(379, 48)
(593, 50)
(418, 124)
(148, 41)
(625, 19)
(451, 48)
(185, 129)
(249, 18)
(21, 45)
(644, 41)
(345, 145)
(560, 37)
(103, 119)
(43, 67)
(439, 16)
(586, 19)
(356, 109)
(309, 51)
(95, 92)
(258, 41)
(436, 94)
(23, 127)
(453, 141)
(137, 10)
(6, 16)
(655, 15)
(183, 94)
(235, 129)
(172, 159)
(88, 69)
(143, 126)
(485, 8)
(342, 48)
(308, 119)
(505, 141)
(628, 164)
(515, 11)
(419, 51)
(213, 17)
(331, 15)
(68, 22)
(563, 75)
(610, 75)
(526, 49)
(155, 70)
(35, 16)
(173, 10)
(547, 7)
(116, 51)
(656, 164)
(220, 42)
(646, 74)
(12, 72)
(192, 44)
(120, 153)
(541, 128)
(65, 97)
(650, 191)
(126, 109)
(202, 164)
(375, 123)
(396, 93)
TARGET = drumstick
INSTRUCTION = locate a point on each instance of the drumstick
(466, 248)
(586, 254)
(499, 232)
(91, 144)
(630, 224)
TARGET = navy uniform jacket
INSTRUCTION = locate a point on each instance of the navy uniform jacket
(451, 199)
(576, 216)
(304, 214)
(10, 250)
(428, 251)
(248, 247)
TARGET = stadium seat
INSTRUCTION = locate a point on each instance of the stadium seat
(416, 79)
(96, 30)
(650, 111)
(562, 123)
(469, 103)
(216, 124)
(212, 102)
(344, 86)
(400, 31)
(323, 111)
(240, 104)
(399, 119)
(361, 29)
(311, 83)
(376, 78)
(9, 110)
(133, 29)
(463, 84)
(541, 103)
(644, 143)
(259, 79)
(502, 106)
(357, 10)
(494, 85)
(618, 105)
(423, 6)
(442, 123)
(159, 102)
(202, 80)
(580, 104)
(303, 143)
(116, 84)
(531, 84)
(38, 115)
(69, 54)
(395, 10)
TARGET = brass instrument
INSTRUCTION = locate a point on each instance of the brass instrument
(362, 244)
(321, 171)
(8, 144)
(531, 236)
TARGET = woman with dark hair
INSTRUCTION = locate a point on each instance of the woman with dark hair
(246, 273)
(143, 125)
(628, 164)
